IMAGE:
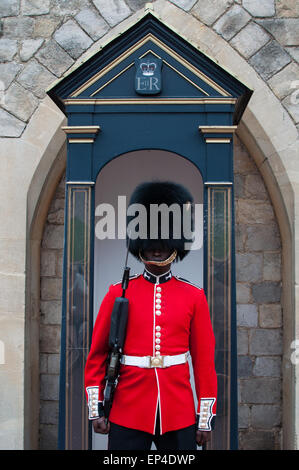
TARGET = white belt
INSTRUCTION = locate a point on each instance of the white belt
(149, 362)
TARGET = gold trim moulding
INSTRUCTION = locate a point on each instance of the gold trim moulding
(217, 129)
(217, 141)
(81, 141)
(134, 101)
(89, 183)
(81, 129)
(218, 183)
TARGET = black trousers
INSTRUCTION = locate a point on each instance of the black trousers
(122, 438)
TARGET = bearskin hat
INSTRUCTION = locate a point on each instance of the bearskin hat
(165, 193)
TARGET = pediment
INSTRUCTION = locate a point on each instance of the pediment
(187, 75)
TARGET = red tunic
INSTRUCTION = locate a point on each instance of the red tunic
(181, 324)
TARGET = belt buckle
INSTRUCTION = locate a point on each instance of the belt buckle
(157, 361)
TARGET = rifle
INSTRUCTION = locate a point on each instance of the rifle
(118, 327)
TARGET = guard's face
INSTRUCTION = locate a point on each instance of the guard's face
(156, 254)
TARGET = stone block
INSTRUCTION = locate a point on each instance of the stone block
(92, 23)
(35, 7)
(50, 339)
(249, 267)
(51, 312)
(242, 341)
(54, 58)
(259, 8)
(63, 8)
(8, 49)
(247, 315)
(49, 412)
(245, 364)
(19, 27)
(262, 237)
(53, 236)
(272, 267)
(243, 293)
(136, 5)
(54, 363)
(9, 7)
(240, 237)
(184, 4)
(72, 39)
(56, 217)
(257, 390)
(8, 72)
(265, 342)
(48, 437)
(257, 440)
(267, 367)
(59, 263)
(29, 48)
(49, 386)
(281, 83)
(287, 8)
(43, 363)
(254, 187)
(231, 22)
(20, 102)
(51, 288)
(250, 211)
(270, 316)
(243, 416)
(10, 126)
(45, 26)
(239, 183)
(294, 52)
(250, 39)
(114, 12)
(291, 104)
(269, 60)
(266, 292)
(243, 164)
(265, 416)
(48, 263)
(284, 30)
(36, 78)
(209, 12)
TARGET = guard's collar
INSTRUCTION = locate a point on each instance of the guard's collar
(157, 279)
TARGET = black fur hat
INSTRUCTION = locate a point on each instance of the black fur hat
(161, 192)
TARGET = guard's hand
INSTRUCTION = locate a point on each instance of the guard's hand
(202, 437)
(101, 426)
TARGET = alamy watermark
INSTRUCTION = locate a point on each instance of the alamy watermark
(162, 221)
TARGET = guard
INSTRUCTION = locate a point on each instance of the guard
(168, 320)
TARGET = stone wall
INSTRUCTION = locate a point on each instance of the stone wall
(40, 40)
(259, 313)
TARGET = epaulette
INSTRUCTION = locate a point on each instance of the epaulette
(188, 282)
(133, 276)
